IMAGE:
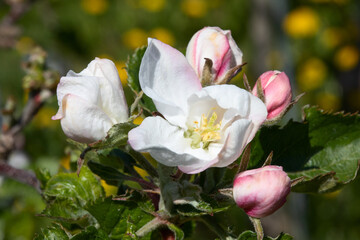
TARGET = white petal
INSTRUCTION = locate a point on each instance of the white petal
(103, 68)
(209, 42)
(237, 138)
(236, 52)
(245, 103)
(196, 168)
(166, 143)
(113, 100)
(201, 104)
(257, 114)
(167, 77)
(85, 87)
(83, 121)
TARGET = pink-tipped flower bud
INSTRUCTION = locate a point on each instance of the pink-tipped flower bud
(261, 191)
(276, 91)
(217, 45)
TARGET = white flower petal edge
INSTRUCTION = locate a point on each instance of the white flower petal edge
(166, 77)
(91, 101)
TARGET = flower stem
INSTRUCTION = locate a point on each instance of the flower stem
(258, 228)
(150, 226)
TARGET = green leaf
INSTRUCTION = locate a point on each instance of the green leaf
(55, 232)
(132, 68)
(43, 175)
(118, 218)
(77, 145)
(69, 211)
(67, 194)
(91, 233)
(325, 149)
(116, 136)
(84, 188)
(214, 178)
(109, 174)
(189, 201)
(106, 213)
(250, 235)
(179, 234)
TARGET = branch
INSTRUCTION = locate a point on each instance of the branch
(8, 31)
(20, 175)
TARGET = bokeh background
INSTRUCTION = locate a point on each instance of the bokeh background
(316, 42)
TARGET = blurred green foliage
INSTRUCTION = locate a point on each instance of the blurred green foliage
(316, 42)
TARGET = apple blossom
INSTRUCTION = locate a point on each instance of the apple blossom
(202, 127)
(218, 46)
(262, 191)
(90, 102)
(277, 92)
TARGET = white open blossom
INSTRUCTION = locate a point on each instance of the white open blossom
(202, 127)
(91, 102)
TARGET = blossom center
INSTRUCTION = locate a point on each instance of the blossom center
(204, 132)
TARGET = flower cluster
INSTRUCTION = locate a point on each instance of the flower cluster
(204, 121)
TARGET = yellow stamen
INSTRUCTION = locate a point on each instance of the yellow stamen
(208, 132)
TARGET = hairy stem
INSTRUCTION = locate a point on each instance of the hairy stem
(258, 227)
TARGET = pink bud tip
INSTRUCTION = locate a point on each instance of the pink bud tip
(277, 92)
(260, 192)
(218, 46)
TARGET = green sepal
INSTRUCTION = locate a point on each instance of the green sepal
(116, 136)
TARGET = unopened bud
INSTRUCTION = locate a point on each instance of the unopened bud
(276, 91)
(260, 192)
(217, 45)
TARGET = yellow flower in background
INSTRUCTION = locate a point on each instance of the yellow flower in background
(94, 7)
(163, 35)
(347, 57)
(25, 44)
(311, 74)
(43, 118)
(332, 37)
(120, 65)
(301, 22)
(135, 38)
(109, 189)
(152, 5)
(65, 162)
(194, 8)
(138, 120)
(328, 101)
